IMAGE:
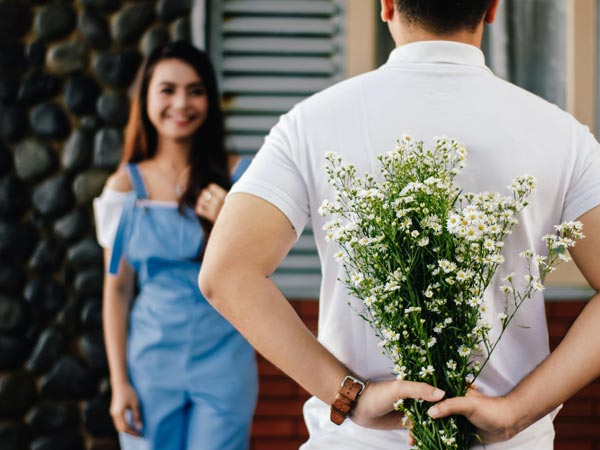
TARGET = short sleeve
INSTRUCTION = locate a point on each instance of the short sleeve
(108, 209)
(275, 174)
(583, 192)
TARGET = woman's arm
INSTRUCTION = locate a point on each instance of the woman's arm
(118, 292)
(117, 296)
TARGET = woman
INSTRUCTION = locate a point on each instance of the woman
(181, 376)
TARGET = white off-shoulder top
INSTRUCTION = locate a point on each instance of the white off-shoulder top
(107, 214)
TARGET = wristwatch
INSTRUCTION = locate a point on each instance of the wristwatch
(345, 399)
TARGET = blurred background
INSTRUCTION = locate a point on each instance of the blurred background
(65, 70)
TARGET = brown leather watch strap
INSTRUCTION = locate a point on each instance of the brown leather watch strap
(346, 399)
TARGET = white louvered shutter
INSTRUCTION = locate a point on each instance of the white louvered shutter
(269, 55)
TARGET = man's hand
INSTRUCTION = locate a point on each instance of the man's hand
(375, 407)
(494, 417)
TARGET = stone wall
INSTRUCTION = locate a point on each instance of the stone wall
(65, 67)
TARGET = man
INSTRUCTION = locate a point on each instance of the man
(434, 83)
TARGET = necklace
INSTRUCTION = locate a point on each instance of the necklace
(179, 188)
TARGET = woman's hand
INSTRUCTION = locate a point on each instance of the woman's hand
(124, 398)
(210, 201)
(375, 406)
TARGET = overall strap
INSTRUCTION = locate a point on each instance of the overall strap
(240, 168)
(117, 250)
(137, 181)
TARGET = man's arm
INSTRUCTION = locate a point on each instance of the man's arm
(250, 238)
(573, 364)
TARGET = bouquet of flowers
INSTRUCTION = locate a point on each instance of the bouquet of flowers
(420, 254)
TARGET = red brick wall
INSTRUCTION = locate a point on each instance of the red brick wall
(578, 423)
(278, 423)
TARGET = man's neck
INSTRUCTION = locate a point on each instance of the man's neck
(407, 34)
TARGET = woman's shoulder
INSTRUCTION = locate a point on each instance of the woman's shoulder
(119, 181)
(232, 161)
(238, 167)
(117, 189)
(109, 206)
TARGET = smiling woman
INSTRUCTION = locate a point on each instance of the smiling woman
(181, 376)
(177, 104)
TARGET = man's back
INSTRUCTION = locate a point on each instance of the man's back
(429, 89)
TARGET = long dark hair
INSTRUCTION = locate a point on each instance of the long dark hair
(207, 157)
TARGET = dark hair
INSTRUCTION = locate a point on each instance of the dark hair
(207, 157)
(444, 16)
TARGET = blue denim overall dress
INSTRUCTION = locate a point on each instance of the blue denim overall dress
(194, 374)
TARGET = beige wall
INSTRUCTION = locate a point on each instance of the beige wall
(581, 54)
(360, 37)
(581, 93)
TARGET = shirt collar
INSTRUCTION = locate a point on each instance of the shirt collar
(447, 52)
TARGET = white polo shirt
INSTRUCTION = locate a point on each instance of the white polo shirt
(429, 89)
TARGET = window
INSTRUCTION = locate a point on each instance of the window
(269, 55)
